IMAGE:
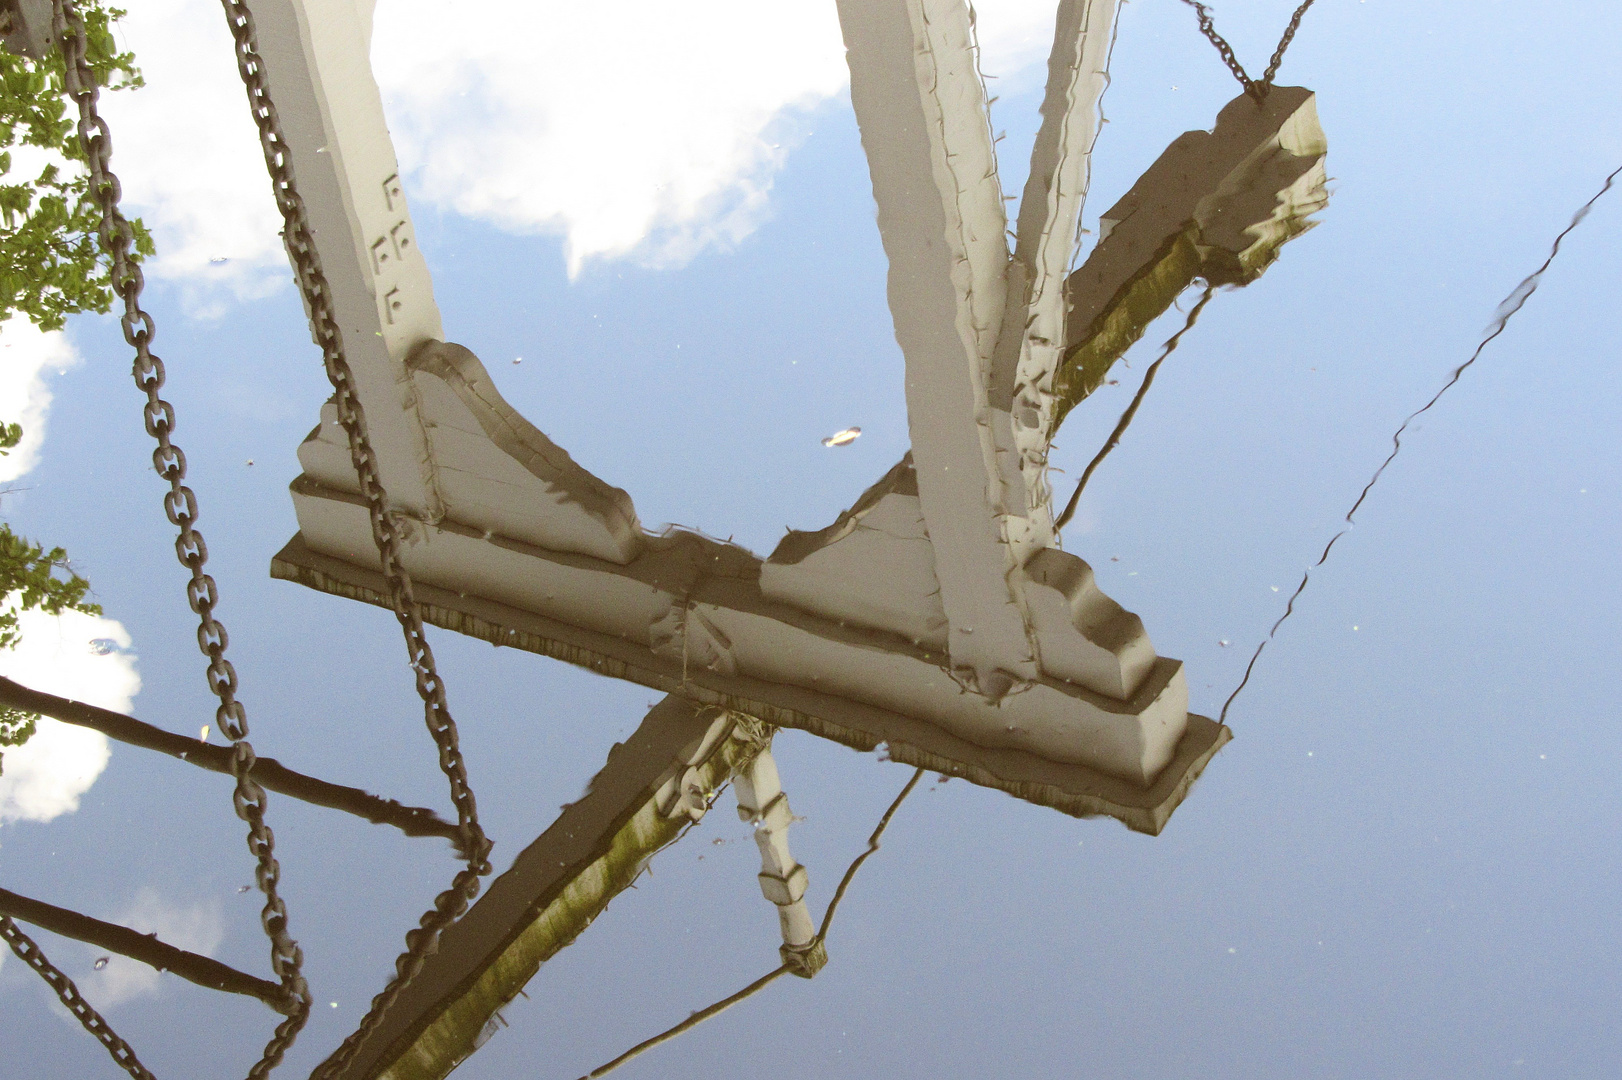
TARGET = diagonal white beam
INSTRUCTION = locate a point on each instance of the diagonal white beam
(1033, 332)
(316, 56)
(921, 108)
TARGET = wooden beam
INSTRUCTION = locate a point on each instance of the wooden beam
(653, 786)
(905, 728)
(1217, 205)
(1033, 334)
(921, 109)
(317, 57)
(143, 947)
(268, 772)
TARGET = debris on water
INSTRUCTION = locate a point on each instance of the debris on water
(102, 962)
(202, 736)
(843, 438)
(102, 646)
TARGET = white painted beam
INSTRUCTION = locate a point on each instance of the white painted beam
(317, 63)
(921, 108)
(703, 608)
(1033, 335)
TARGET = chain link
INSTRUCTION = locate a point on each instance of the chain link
(1284, 43)
(180, 505)
(451, 903)
(1257, 90)
(69, 995)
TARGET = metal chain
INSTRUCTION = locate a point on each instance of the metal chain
(1257, 90)
(451, 903)
(30, 954)
(1284, 43)
(180, 504)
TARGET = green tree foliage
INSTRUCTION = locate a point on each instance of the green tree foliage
(29, 574)
(51, 265)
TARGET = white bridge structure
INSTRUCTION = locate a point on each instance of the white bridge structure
(937, 616)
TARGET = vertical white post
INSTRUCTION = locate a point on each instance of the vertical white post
(761, 800)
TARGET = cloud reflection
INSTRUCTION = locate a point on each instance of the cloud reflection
(631, 129)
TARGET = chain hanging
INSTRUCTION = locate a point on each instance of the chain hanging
(69, 995)
(451, 903)
(180, 504)
(1257, 90)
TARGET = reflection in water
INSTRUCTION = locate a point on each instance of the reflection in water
(1506, 310)
(146, 948)
(1121, 425)
(270, 773)
(938, 617)
(1217, 206)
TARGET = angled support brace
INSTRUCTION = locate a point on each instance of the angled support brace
(653, 786)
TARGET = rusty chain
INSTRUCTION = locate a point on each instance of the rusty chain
(30, 954)
(386, 529)
(1257, 90)
(180, 505)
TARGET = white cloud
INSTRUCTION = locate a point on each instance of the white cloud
(628, 126)
(631, 128)
(1015, 38)
(74, 655)
(27, 354)
(188, 159)
(197, 928)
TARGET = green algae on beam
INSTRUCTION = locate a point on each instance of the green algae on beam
(1216, 206)
(538, 907)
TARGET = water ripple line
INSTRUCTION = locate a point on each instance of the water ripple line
(1511, 304)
